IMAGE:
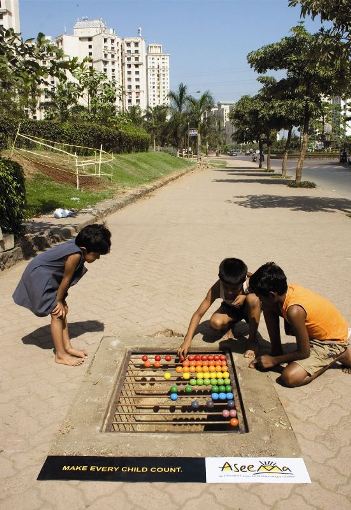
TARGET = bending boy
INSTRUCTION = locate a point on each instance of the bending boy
(321, 332)
(238, 303)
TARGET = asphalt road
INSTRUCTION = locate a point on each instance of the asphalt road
(328, 175)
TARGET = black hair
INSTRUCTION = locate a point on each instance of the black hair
(94, 238)
(232, 271)
(268, 278)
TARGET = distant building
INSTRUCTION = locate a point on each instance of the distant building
(9, 15)
(221, 112)
(157, 66)
(124, 61)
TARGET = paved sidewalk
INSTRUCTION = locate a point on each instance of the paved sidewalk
(165, 254)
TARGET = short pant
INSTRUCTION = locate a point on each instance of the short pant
(322, 354)
(237, 314)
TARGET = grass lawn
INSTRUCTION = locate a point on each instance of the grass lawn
(44, 194)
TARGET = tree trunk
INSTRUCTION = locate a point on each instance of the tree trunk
(154, 143)
(285, 154)
(304, 145)
(269, 157)
(260, 146)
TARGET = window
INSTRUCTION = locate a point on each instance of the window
(136, 72)
(105, 55)
(136, 59)
(128, 59)
(137, 87)
(90, 38)
(128, 44)
(137, 101)
(129, 72)
(90, 54)
(129, 52)
(129, 65)
(90, 46)
(136, 51)
(129, 87)
(137, 79)
(105, 40)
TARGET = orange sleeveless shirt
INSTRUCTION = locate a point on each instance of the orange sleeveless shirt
(323, 319)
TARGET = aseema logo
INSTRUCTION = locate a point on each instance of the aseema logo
(266, 467)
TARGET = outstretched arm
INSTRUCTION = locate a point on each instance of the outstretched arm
(211, 296)
(296, 316)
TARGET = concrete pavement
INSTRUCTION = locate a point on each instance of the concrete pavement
(165, 254)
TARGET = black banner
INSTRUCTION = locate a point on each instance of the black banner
(124, 469)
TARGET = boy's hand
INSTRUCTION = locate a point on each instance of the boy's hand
(239, 301)
(263, 362)
(183, 349)
(60, 310)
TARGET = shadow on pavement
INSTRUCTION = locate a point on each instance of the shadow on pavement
(41, 337)
(251, 181)
(295, 203)
(238, 342)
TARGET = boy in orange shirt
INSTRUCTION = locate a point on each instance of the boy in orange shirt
(322, 333)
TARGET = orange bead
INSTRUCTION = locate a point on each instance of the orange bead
(234, 422)
(179, 369)
(157, 364)
(186, 363)
(218, 368)
(192, 363)
(223, 362)
(199, 368)
(224, 368)
(192, 370)
(198, 363)
(205, 363)
(211, 368)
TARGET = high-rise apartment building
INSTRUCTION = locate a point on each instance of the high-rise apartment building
(124, 61)
(9, 15)
(221, 112)
(157, 64)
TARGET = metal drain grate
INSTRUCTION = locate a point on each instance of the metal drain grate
(160, 394)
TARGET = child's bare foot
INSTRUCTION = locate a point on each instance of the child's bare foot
(66, 359)
(75, 352)
(251, 351)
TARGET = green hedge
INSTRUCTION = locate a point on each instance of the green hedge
(118, 140)
(12, 196)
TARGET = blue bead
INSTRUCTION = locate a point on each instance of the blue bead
(215, 396)
(174, 396)
(230, 396)
(222, 396)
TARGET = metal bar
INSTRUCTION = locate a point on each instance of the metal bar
(164, 422)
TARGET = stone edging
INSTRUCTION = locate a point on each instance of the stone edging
(43, 234)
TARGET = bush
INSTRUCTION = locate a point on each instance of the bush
(123, 139)
(12, 196)
(302, 184)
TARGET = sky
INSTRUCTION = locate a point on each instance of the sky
(208, 40)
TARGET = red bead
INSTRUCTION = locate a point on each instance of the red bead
(210, 357)
(204, 358)
(197, 358)
(216, 358)
(222, 357)
(157, 358)
(144, 358)
(168, 358)
(191, 358)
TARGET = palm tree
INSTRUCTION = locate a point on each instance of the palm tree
(198, 112)
(156, 122)
(178, 121)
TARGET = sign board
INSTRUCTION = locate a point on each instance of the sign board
(173, 469)
(192, 132)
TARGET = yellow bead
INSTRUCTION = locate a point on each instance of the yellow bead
(167, 375)
(186, 375)
(225, 375)
(219, 375)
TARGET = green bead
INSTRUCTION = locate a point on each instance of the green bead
(173, 389)
(199, 382)
(207, 382)
(221, 388)
(214, 382)
(192, 382)
(227, 381)
(228, 388)
(220, 381)
(188, 389)
(214, 388)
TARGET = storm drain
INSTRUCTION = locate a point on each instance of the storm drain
(158, 393)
